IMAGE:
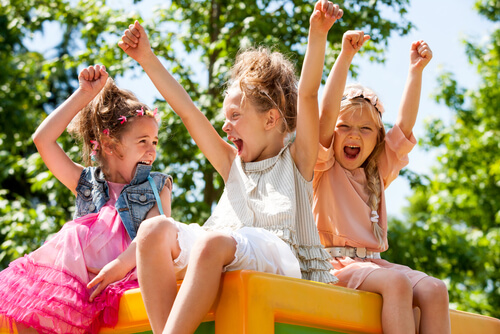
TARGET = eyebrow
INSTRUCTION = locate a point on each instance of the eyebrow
(145, 136)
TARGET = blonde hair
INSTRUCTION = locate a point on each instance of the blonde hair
(101, 120)
(373, 185)
(267, 79)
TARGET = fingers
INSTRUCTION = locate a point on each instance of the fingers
(93, 73)
(329, 9)
(131, 36)
(124, 46)
(98, 280)
(356, 38)
(424, 50)
(97, 291)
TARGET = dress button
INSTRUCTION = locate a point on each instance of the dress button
(142, 198)
(87, 193)
(91, 207)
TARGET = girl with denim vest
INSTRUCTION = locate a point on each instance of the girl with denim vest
(72, 283)
(357, 160)
(263, 220)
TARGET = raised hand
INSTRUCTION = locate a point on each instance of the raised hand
(135, 42)
(325, 14)
(353, 40)
(92, 79)
(420, 54)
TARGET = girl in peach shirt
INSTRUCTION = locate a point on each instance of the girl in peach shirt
(357, 160)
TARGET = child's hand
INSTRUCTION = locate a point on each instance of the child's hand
(353, 40)
(324, 15)
(110, 273)
(92, 79)
(420, 55)
(135, 42)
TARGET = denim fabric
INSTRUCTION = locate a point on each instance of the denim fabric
(134, 202)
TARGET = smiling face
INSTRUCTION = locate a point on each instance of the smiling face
(246, 127)
(137, 145)
(356, 135)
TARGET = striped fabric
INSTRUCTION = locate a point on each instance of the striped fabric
(272, 194)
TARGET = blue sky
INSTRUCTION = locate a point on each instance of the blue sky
(443, 24)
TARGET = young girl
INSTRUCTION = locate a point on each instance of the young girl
(357, 160)
(264, 220)
(55, 289)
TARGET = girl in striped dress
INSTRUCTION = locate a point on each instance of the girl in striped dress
(264, 220)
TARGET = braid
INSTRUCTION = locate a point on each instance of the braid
(374, 189)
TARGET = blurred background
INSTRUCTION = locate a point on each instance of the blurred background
(445, 206)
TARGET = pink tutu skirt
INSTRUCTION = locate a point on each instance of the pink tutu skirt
(47, 289)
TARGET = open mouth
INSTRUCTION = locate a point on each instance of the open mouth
(239, 144)
(351, 151)
(145, 162)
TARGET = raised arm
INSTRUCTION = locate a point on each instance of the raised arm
(352, 41)
(220, 154)
(91, 81)
(420, 55)
(305, 147)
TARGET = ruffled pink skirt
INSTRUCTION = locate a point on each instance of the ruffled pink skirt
(47, 289)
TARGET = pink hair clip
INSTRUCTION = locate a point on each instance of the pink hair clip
(155, 112)
(140, 112)
(122, 119)
(95, 143)
(105, 132)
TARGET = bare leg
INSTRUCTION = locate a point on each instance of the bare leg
(431, 296)
(201, 283)
(157, 246)
(396, 291)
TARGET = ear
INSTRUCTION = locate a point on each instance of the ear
(108, 146)
(273, 118)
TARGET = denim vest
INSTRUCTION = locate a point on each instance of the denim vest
(134, 202)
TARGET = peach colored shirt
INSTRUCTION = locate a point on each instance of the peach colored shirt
(340, 206)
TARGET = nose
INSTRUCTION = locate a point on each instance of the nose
(151, 150)
(354, 133)
(227, 126)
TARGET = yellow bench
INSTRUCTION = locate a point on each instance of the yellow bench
(258, 303)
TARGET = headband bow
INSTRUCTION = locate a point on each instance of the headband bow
(367, 95)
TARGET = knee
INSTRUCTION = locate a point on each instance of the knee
(214, 247)
(398, 284)
(431, 291)
(155, 231)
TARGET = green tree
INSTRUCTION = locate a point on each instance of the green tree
(452, 227)
(213, 32)
(197, 39)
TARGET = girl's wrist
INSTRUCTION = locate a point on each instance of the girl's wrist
(147, 57)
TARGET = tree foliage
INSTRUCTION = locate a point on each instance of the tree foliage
(452, 229)
(198, 41)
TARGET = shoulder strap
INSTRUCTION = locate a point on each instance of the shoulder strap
(155, 191)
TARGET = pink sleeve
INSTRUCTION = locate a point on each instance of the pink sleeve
(326, 159)
(395, 154)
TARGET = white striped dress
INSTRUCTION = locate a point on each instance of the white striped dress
(272, 194)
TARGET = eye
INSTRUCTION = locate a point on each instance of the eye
(155, 142)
